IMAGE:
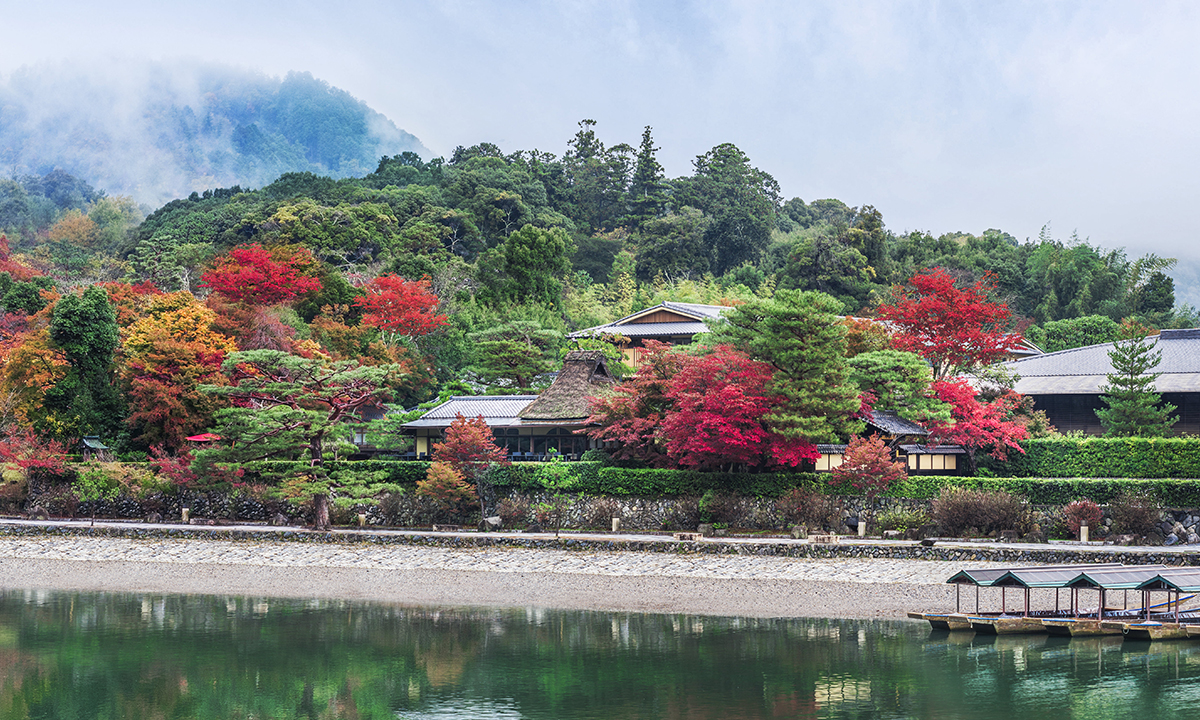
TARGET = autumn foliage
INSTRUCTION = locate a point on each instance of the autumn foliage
(716, 417)
(22, 447)
(468, 446)
(700, 412)
(446, 488)
(399, 306)
(256, 275)
(979, 425)
(951, 328)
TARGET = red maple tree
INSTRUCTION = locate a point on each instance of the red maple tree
(468, 446)
(22, 447)
(254, 274)
(868, 466)
(716, 416)
(978, 425)
(630, 414)
(949, 327)
(400, 307)
(18, 271)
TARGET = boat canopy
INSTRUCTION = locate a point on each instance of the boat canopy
(1122, 578)
(1181, 579)
(986, 577)
(1055, 576)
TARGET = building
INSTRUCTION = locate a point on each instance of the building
(1067, 384)
(669, 322)
(527, 426)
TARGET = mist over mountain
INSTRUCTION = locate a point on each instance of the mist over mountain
(159, 131)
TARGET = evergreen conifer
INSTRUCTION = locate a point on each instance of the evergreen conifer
(1134, 409)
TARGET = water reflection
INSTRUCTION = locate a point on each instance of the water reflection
(162, 656)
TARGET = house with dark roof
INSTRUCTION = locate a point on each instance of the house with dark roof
(906, 438)
(1067, 384)
(528, 425)
(670, 322)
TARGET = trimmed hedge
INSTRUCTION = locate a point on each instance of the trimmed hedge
(1057, 491)
(1103, 457)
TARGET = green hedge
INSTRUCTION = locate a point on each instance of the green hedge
(1057, 491)
(1100, 457)
(626, 481)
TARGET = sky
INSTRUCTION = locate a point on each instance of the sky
(945, 116)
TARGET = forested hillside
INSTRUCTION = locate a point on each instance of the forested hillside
(468, 269)
(156, 131)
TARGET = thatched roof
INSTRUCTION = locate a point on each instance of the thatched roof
(584, 374)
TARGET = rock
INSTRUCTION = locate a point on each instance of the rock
(799, 532)
(927, 542)
(705, 529)
(1178, 529)
(154, 518)
(279, 519)
(1154, 539)
(38, 513)
(892, 534)
(1170, 539)
(493, 521)
(1192, 538)
(1108, 522)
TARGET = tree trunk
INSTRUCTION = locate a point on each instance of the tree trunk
(321, 511)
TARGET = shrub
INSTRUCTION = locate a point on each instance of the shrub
(718, 507)
(1123, 457)
(596, 455)
(902, 520)
(803, 506)
(1081, 512)
(1135, 512)
(514, 511)
(684, 515)
(445, 487)
(958, 511)
(600, 513)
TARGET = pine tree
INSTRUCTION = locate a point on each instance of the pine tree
(647, 198)
(1134, 408)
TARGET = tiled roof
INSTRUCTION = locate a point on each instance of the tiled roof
(699, 313)
(645, 329)
(497, 410)
(1081, 371)
(894, 424)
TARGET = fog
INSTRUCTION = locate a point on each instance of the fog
(946, 116)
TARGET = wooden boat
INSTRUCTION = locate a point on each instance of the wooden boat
(1077, 627)
(1151, 630)
(944, 621)
(1007, 625)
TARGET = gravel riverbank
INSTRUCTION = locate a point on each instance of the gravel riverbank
(493, 576)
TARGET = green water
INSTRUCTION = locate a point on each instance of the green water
(126, 656)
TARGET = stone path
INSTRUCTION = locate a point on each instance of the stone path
(496, 559)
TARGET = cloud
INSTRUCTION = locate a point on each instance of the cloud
(944, 115)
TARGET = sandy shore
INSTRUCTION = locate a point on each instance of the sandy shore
(614, 581)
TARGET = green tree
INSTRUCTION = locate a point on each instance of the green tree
(899, 383)
(647, 190)
(513, 355)
(741, 199)
(288, 407)
(527, 268)
(800, 335)
(1075, 332)
(85, 402)
(675, 246)
(1134, 408)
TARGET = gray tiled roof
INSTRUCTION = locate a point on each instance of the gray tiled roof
(1081, 371)
(635, 330)
(894, 424)
(497, 410)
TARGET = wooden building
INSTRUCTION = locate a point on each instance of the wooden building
(1067, 384)
(670, 322)
(528, 426)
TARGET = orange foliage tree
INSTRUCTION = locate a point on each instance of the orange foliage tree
(256, 275)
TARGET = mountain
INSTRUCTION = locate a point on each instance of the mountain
(159, 131)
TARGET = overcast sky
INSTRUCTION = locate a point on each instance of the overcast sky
(945, 116)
